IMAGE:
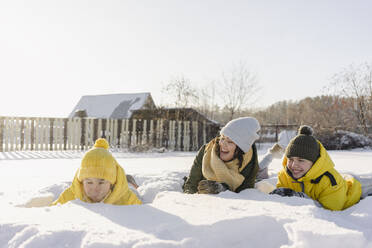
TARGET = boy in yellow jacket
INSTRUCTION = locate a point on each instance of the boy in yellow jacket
(309, 171)
(99, 179)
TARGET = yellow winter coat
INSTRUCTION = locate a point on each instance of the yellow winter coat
(120, 194)
(323, 184)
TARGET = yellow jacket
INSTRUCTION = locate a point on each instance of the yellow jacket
(120, 194)
(330, 189)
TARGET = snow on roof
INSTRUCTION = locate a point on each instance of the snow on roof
(113, 106)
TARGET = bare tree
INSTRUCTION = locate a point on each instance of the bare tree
(320, 112)
(239, 88)
(181, 91)
(356, 82)
(207, 101)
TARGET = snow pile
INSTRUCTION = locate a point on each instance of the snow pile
(170, 218)
(343, 140)
(352, 140)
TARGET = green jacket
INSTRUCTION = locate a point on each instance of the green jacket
(196, 175)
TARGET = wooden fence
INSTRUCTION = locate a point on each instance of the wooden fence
(24, 133)
(53, 134)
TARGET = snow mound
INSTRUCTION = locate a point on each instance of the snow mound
(343, 140)
(170, 218)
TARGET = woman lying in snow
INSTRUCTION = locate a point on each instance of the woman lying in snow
(100, 179)
(309, 171)
(229, 161)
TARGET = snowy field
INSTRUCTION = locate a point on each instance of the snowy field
(169, 218)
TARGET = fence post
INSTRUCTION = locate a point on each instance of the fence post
(12, 134)
(144, 133)
(118, 134)
(156, 130)
(78, 134)
(126, 134)
(32, 139)
(95, 130)
(88, 132)
(103, 135)
(65, 133)
(51, 128)
(180, 136)
(152, 134)
(82, 138)
(27, 134)
(165, 135)
(160, 129)
(195, 142)
(38, 134)
(139, 132)
(134, 132)
(171, 134)
(108, 132)
(204, 132)
(69, 129)
(22, 133)
(58, 137)
(186, 136)
(276, 132)
(115, 133)
(1, 133)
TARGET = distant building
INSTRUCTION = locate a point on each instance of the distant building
(137, 106)
(112, 106)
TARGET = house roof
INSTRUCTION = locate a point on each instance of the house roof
(112, 106)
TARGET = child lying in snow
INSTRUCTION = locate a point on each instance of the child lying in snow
(100, 179)
(309, 171)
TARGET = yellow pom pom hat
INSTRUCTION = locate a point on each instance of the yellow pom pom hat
(98, 162)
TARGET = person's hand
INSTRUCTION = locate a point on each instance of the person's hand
(285, 137)
(287, 192)
(131, 181)
(277, 151)
(210, 187)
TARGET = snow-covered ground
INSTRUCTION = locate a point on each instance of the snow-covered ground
(170, 218)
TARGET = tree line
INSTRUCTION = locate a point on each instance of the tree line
(346, 103)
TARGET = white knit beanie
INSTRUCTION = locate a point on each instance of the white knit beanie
(243, 131)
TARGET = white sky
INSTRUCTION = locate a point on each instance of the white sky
(53, 52)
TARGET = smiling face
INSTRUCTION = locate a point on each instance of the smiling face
(227, 148)
(96, 188)
(298, 166)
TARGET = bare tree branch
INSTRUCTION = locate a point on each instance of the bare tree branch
(181, 91)
(239, 89)
(355, 82)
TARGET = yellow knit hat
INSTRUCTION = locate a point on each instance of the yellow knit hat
(98, 163)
